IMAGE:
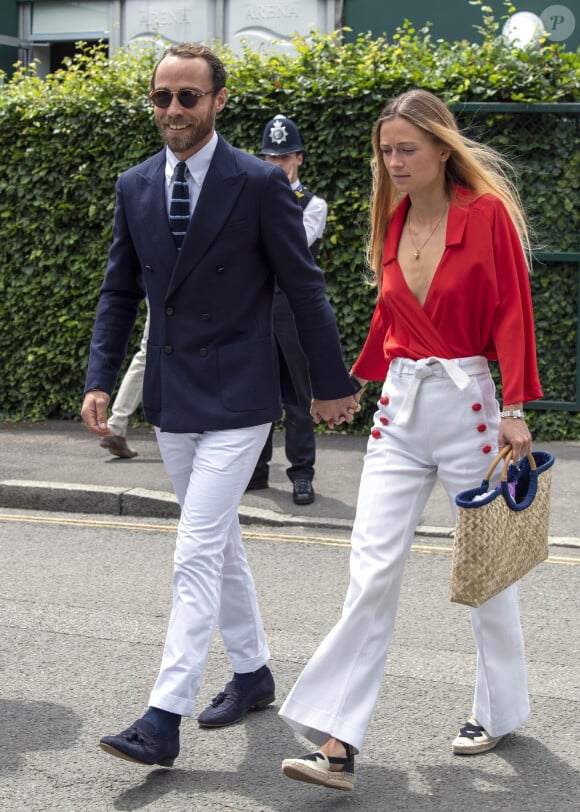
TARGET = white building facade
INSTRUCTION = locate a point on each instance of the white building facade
(48, 30)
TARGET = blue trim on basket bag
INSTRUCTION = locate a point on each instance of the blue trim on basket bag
(518, 485)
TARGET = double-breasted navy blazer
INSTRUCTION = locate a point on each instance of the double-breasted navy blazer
(212, 361)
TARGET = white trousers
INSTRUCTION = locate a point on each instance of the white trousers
(428, 424)
(212, 582)
(130, 392)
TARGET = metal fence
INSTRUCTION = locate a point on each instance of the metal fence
(543, 139)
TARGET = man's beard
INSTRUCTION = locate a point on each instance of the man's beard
(185, 140)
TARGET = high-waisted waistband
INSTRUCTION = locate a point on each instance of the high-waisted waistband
(458, 369)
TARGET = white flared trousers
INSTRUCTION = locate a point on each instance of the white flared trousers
(212, 582)
(428, 425)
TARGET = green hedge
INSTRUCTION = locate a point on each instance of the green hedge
(64, 140)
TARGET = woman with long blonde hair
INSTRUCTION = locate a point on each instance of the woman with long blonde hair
(474, 166)
(448, 247)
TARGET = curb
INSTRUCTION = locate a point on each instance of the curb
(141, 502)
(67, 497)
(78, 498)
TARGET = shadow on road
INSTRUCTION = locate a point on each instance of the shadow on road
(34, 726)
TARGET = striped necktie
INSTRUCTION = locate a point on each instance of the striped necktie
(179, 212)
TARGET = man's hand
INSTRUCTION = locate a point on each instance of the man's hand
(335, 412)
(94, 412)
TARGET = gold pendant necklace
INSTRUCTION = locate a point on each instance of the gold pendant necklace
(418, 249)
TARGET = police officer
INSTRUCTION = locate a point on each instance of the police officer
(282, 145)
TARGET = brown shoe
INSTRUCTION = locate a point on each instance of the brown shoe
(117, 446)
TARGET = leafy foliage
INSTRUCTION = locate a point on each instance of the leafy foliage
(65, 140)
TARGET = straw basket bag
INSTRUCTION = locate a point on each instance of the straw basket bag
(502, 534)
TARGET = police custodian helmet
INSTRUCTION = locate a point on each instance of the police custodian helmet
(281, 137)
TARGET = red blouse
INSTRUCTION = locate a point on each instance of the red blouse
(479, 301)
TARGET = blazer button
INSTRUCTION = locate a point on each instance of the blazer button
(168, 349)
(220, 269)
(149, 268)
(169, 311)
(203, 352)
(206, 316)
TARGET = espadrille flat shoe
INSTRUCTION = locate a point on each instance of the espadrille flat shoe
(327, 771)
(473, 739)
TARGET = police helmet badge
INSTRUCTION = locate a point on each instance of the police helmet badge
(278, 132)
(281, 136)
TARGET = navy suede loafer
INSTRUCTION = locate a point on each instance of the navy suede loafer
(143, 744)
(238, 697)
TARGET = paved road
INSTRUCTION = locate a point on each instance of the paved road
(84, 601)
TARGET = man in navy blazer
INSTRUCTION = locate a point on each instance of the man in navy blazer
(212, 383)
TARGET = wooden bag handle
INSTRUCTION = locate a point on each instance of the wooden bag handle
(506, 454)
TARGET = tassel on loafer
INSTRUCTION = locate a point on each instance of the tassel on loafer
(143, 744)
(232, 704)
(326, 771)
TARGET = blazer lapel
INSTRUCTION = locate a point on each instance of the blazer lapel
(221, 188)
(150, 193)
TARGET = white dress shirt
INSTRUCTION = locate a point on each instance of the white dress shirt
(314, 216)
(197, 166)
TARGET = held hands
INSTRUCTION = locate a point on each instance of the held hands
(94, 412)
(335, 412)
(342, 410)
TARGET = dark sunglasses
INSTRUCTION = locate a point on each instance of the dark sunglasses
(186, 97)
